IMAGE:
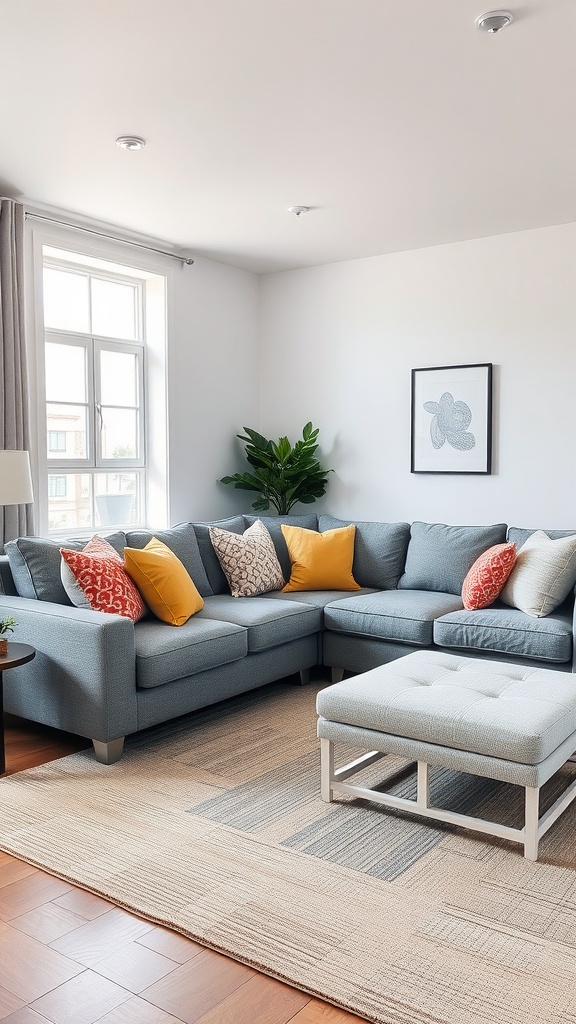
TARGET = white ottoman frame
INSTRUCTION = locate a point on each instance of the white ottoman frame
(332, 781)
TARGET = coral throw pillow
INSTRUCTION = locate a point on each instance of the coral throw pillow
(95, 578)
(487, 576)
(164, 582)
(320, 561)
(249, 560)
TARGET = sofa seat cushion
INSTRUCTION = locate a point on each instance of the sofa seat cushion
(508, 631)
(316, 598)
(403, 615)
(269, 623)
(165, 653)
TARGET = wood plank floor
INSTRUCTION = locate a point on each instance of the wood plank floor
(68, 957)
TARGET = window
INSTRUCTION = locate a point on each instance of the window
(95, 351)
(56, 440)
(57, 486)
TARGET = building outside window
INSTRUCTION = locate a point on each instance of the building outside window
(95, 365)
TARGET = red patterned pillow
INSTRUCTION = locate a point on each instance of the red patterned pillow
(488, 575)
(96, 578)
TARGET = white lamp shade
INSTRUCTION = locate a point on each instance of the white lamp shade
(15, 478)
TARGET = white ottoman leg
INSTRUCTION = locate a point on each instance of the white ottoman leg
(326, 769)
(531, 819)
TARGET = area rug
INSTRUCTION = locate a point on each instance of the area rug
(213, 825)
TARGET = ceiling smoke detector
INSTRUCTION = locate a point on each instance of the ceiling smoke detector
(494, 21)
(297, 210)
(132, 142)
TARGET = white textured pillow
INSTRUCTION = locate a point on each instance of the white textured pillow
(249, 560)
(543, 575)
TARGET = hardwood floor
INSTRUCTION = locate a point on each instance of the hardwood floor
(68, 957)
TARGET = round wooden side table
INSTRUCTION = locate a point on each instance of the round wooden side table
(18, 654)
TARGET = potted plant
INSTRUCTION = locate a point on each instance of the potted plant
(281, 473)
(7, 625)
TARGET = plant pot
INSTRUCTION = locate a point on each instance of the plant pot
(3, 646)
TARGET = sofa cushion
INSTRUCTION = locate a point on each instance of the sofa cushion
(543, 575)
(274, 526)
(217, 581)
(379, 551)
(249, 560)
(269, 623)
(519, 535)
(440, 556)
(182, 541)
(164, 582)
(164, 654)
(406, 616)
(96, 578)
(35, 564)
(508, 631)
(320, 561)
(485, 580)
(317, 598)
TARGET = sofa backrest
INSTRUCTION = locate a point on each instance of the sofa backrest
(182, 541)
(274, 526)
(35, 564)
(379, 550)
(439, 556)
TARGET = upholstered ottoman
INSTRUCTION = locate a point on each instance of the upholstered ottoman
(487, 718)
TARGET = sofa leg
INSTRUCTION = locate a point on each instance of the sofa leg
(304, 676)
(108, 753)
(337, 674)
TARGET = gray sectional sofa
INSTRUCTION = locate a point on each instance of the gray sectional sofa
(102, 677)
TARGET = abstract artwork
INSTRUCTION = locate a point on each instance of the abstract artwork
(452, 419)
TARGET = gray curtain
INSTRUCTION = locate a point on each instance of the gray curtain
(15, 520)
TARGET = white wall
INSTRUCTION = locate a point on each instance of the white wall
(337, 344)
(212, 386)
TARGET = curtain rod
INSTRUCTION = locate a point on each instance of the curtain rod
(185, 261)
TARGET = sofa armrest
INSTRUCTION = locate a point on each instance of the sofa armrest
(83, 677)
(574, 636)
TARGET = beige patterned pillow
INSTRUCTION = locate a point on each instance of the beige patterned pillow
(249, 560)
(543, 575)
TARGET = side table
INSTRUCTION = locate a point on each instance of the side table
(18, 654)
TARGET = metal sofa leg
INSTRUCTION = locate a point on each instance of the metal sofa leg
(337, 674)
(108, 753)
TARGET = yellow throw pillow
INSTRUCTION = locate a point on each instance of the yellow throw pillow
(163, 582)
(320, 561)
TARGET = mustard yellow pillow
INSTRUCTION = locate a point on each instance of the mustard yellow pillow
(163, 582)
(320, 561)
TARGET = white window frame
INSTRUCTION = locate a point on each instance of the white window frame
(156, 279)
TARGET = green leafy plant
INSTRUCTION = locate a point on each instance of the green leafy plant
(283, 475)
(7, 625)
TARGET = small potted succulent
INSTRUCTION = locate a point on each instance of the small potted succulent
(7, 625)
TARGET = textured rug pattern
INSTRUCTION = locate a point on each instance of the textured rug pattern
(213, 825)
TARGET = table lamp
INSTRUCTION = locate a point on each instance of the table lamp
(15, 478)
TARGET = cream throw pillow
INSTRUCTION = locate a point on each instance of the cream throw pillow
(543, 575)
(249, 560)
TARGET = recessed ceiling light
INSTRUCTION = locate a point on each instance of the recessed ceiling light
(494, 21)
(298, 209)
(130, 142)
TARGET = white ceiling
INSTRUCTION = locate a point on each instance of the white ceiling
(396, 121)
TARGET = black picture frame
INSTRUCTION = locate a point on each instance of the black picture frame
(451, 413)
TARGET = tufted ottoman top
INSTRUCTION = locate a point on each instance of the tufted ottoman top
(486, 707)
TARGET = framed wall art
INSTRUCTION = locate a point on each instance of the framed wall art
(452, 419)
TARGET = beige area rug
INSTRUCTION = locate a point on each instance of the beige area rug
(213, 825)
